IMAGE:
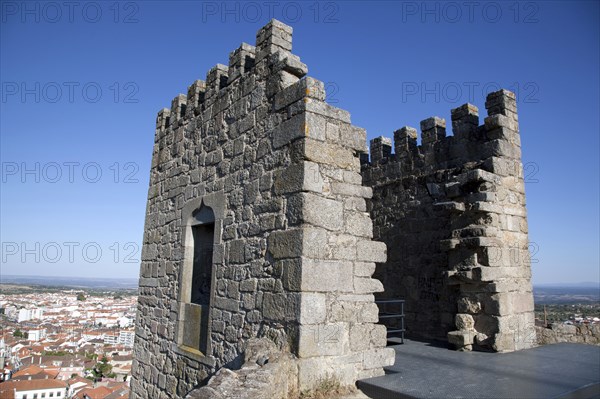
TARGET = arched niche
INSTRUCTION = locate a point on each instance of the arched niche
(201, 233)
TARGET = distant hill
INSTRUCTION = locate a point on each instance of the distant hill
(562, 293)
(75, 282)
(585, 284)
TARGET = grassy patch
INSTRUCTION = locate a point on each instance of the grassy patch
(327, 388)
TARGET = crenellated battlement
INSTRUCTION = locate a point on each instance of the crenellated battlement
(269, 60)
(470, 142)
(454, 209)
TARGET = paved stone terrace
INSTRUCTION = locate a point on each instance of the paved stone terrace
(423, 370)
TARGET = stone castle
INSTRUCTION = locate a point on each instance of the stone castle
(266, 218)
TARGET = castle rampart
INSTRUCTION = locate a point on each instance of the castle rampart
(266, 219)
(452, 213)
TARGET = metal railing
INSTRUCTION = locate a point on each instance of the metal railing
(386, 314)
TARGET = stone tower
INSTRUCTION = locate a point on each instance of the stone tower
(266, 218)
(257, 226)
(452, 213)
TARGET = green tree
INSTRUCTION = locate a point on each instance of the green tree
(80, 297)
(18, 333)
(103, 369)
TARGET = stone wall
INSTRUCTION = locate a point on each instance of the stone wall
(574, 333)
(452, 213)
(255, 157)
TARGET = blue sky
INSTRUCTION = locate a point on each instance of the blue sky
(82, 82)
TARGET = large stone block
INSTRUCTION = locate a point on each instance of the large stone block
(289, 131)
(285, 244)
(341, 246)
(354, 137)
(359, 224)
(313, 371)
(313, 308)
(461, 339)
(281, 306)
(313, 240)
(304, 176)
(360, 336)
(464, 322)
(371, 251)
(330, 154)
(327, 276)
(308, 87)
(329, 339)
(320, 211)
(367, 285)
(364, 269)
(355, 190)
(379, 357)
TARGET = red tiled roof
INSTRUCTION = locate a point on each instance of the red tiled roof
(6, 393)
(29, 385)
(76, 379)
(29, 370)
(95, 393)
(39, 376)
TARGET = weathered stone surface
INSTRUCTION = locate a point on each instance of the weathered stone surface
(452, 213)
(575, 333)
(465, 322)
(280, 306)
(329, 154)
(299, 177)
(267, 373)
(261, 214)
(256, 214)
(371, 251)
(313, 308)
(285, 244)
(373, 358)
(326, 276)
(462, 340)
(330, 339)
(321, 212)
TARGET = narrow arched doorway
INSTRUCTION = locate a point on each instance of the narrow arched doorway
(198, 271)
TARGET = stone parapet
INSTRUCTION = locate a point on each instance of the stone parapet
(452, 213)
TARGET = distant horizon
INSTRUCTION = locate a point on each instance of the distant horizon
(53, 277)
(65, 277)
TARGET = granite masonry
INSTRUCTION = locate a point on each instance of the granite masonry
(574, 333)
(452, 213)
(257, 227)
(266, 220)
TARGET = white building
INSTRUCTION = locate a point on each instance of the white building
(4, 351)
(126, 338)
(111, 339)
(29, 314)
(125, 322)
(36, 335)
